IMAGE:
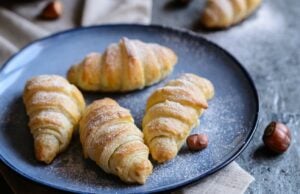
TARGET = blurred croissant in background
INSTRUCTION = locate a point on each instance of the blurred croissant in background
(224, 13)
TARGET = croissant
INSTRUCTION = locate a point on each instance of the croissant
(126, 66)
(109, 137)
(54, 107)
(171, 113)
(224, 13)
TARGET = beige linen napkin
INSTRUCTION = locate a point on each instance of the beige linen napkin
(18, 29)
(232, 180)
(116, 11)
(15, 32)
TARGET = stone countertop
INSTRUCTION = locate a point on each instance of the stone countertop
(267, 44)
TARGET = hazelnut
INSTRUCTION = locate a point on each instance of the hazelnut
(53, 10)
(197, 142)
(277, 137)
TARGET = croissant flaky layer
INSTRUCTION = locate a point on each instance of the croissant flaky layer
(126, 66)
(54, 107)
(224, 13)
(171, 113)
(110, 138)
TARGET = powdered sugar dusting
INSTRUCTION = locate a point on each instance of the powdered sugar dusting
(50, 80)
(73, 168)
(227, 122)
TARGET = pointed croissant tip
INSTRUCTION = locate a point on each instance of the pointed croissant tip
(124, 39)
(175, 58)
(208, 18)
(46, 147)
(71, 74)
(141, 171)
(163, 149)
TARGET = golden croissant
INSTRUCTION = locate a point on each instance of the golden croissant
(109, 137)
(54, 108)
(224, 13)
(126, 66)
(172, 112)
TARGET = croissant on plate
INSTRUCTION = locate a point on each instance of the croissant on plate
(126, 66)
(224, 13)
(172, 112)
(109, 137)
(54, 107)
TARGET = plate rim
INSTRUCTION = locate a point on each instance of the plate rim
(185, 32)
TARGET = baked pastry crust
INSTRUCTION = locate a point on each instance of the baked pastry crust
(224, 13)
(172, 112)
(110, 138)
(54, 107)
(126, 66)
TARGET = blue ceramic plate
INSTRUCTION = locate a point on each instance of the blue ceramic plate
(229, 122)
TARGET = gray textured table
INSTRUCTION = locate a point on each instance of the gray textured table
(267, 44)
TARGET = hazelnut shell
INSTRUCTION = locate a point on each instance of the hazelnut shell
(197, 142)
(277, 137)
(53, 10)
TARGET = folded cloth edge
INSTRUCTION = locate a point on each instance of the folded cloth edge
(116, 11)
(232, 179)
